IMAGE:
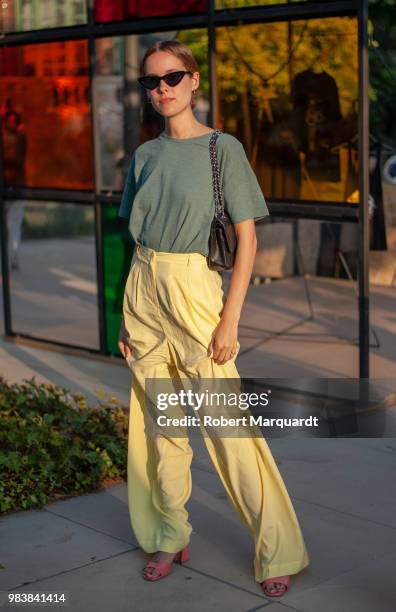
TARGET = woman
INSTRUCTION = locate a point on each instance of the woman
(177, 324)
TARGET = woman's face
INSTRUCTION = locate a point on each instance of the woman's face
(168, 100)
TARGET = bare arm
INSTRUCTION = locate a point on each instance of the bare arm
(225, 336)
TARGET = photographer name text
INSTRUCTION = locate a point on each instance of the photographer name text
(243, 421)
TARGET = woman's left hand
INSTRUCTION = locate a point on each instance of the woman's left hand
(223, 345)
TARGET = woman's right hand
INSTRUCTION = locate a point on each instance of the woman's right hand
(123, 341)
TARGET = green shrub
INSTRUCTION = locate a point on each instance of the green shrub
(52, 444)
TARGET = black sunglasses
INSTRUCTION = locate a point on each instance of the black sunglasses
(171, 79)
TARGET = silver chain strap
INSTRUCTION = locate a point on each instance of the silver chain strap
(217, 190)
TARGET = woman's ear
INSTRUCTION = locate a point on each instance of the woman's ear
(195, 81)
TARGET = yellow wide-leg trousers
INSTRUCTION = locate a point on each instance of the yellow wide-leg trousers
(172, 304)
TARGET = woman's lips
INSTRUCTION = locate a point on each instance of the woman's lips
(166, 100)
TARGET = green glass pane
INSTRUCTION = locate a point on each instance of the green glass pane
(117, 254)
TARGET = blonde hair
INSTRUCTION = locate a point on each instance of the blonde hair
(179, 50)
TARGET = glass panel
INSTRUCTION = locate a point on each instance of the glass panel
(289, 92)
(52, 263)
(117, 254)
(115, 10)
(21, 15)
(281, 242)
(123, 119)
(45, 107)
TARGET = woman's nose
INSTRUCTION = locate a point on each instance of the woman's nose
(162, 86)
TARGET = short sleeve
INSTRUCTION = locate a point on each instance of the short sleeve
(128, 192)
(243, 198)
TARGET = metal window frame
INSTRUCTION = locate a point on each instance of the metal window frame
(209, 20)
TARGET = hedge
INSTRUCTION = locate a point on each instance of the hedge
(53, 445)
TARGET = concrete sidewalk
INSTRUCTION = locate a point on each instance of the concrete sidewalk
(343, 490)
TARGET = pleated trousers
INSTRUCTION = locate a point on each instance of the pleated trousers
(172, 304)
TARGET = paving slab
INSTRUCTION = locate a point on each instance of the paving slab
(348, 476)
(36, 544)
(116, 584)
(79, 374)
(338, 549)
(103, 511)
(365, 588)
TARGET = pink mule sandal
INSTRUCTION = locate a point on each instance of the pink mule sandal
(284, 580)
(164, 569)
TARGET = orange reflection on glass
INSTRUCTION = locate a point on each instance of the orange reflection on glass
(45, 88)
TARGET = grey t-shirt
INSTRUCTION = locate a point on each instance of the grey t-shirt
(168, 194)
